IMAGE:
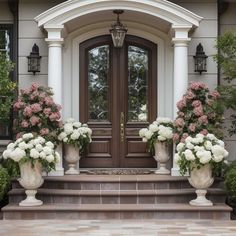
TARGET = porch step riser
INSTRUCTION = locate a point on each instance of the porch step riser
(197, 215)
(117, 186)
(116, 199)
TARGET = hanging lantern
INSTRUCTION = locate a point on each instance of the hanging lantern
(118, 31)
(200, 60)
(34, 60)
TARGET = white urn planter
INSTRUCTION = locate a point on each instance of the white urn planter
(201, 179)
(72, 157)
(162, 157)
(31, 179)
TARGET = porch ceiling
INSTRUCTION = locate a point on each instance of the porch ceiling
(109, 17)
(162, 9)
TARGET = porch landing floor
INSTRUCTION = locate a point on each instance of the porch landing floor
(117, 228)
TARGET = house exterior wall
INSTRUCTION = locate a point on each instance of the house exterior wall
(206, 33)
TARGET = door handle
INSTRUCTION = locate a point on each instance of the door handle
(122, 127)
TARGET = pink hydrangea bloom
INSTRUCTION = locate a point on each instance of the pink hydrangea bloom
(47, 111)
(44, 131)
(36, 107)
(175, 137)
(24, 124)
(55, 116)
(34, 120)
(204, 132)
(198, 111)
(190, 95)
(34, 86)
(27, 111)
(181, 104)
(179, 122)
(196, 103)
(203, 119)
(214, 94)
(192, 127)
(48, 101)
(197, 85)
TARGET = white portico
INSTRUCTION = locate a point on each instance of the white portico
(159, 21)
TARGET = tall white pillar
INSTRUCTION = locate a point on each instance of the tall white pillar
(55, 42)
(180, 41)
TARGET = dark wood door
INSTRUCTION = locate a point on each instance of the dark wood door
(118, 96)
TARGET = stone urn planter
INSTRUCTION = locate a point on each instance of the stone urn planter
(201, 179)
(31, 179)
(162, 157)
(72, 157)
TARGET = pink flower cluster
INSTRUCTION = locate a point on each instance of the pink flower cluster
(196, 112)
(37, 112)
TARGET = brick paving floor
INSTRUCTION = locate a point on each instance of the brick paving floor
(117, 228)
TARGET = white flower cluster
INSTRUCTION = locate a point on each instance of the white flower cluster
(33, 148)
(161, 129)
(73, 132)
(202, 148)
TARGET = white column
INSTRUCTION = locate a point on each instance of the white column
(180, 73)
(55, 42)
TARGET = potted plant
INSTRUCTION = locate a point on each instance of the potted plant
(37, 112)
(199, 111)
(32, 153)
(75, 137)
(159, 136)
(203, 157)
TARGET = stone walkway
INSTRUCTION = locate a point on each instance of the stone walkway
(117, 228)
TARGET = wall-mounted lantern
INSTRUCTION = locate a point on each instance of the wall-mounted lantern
(200, 60)
(118, 31)
(34, 60)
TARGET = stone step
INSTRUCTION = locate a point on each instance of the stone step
(116, 211)
(116, 182)
(116, 196)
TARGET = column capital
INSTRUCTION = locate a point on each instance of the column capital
(54, 42)
(181, 42)
(181, 32)
(54, 32)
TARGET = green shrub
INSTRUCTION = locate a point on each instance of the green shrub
(4, 182)
(230, 185)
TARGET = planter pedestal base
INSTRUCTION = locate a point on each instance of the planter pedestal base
(30, 199)
(162, 170)
(201, 199)
(72, 170)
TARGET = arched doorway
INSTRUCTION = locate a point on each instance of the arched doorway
(118, 96)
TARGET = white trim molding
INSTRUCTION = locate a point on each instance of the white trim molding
(163, 9)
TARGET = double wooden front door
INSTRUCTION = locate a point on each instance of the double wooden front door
(118, 96)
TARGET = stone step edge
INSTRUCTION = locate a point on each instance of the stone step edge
(161, 192)
(118, 208)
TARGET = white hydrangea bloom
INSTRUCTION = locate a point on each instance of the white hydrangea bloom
(75, 135)
(142, 132)
(11, 146)
(221, 143)
(27, 136)
(144, 140)
(70, 120)
(198, 148)
(180, 147)
(42, 155)
(189, 155)
(65, 139)
(17, 154)
(201, 136)
(68, 128)
(48, 150)
(148, 134)
(6, 154)
(50, 158)
(189, 139)
(34, 153)
(18, 140)
(205, 157)
(161, 138)
(189, 145)
(23, 145)
(164, 120)
(77, 124)
(50, 144)
(208, 145)
(153, 128)
(211, 137)
(39, 147)
(62, 135)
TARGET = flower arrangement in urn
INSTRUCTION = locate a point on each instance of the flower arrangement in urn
(198, 112)
(37, 112)
(76, 136)
(201, 155)
(33, 154)
(159, 135)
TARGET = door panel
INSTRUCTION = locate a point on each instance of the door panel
(117, 98)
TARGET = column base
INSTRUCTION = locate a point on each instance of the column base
(57, 172)
(175, 172)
